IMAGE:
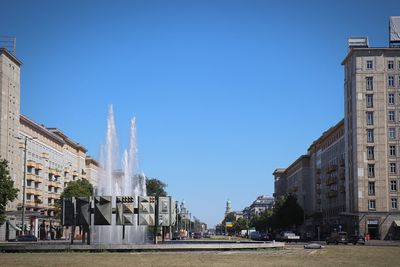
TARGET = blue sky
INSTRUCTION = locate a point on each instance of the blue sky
(224, 92)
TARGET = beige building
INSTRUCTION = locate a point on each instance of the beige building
(9, 116)
(52, 158)
(372, 138)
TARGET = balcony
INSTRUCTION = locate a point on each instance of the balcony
(331, 180)
(39, 166)
(31, 177)
(332, 193)
(45, 156)
(75, 173)
(51, 195)
(342, 189)
(67, 169)
(30, 191)
(341, 162)
(331, 169)
(342, 175)
(30, 164)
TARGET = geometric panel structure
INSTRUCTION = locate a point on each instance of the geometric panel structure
(68, 211)
(173, 211)
(164, 211)
(146, 210)
(102, 210)
(125, 209)
(83, 205)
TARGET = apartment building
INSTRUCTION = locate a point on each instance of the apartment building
(46, 157)
(327, 160)
(372, 139)
(9, 116)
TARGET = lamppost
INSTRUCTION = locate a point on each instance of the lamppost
(26, 138)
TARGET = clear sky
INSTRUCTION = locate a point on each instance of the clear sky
(224, 92)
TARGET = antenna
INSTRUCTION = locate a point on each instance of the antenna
(9, 43)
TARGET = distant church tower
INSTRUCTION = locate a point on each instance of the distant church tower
(228, 208)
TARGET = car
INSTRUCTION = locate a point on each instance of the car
(265, 237)
(176, 236)
(256, 236)
(288, 236)
(207, 235)
(196, 235)
(26, 238)
(357, 239)
(337, 238)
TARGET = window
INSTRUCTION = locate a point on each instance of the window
(394, 203)
(370, 82)
(392, 167)
(371, 170)
(391, 116)
(370, 118)
(390, 65)
(370, 152)
(370, 135)
(371, 188)
(393, 185)
(392, 150)
(369, 65)
(391, 81)
(392, 133)
(370, 101)
(372, 204)
(391, 99)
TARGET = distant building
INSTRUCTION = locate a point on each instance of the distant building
(259, 206)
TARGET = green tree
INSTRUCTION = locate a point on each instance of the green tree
(263, 222)
(79, 188)
(155, 187)
(7, 190)
(287, 212)
(240, 224)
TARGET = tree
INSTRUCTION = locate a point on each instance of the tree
(240, 224)
(263, 222)
(287, 212)
(79, 188)
(7, 190)
(155, 187)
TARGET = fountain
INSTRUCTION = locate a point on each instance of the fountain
(119, 178)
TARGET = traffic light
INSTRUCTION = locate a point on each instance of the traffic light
(164, 211)
(83, 205)
(102, 210)
(146, 210)
(125, 209)
(68, 211)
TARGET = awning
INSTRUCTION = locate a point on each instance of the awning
(13, 226)
(396, 223)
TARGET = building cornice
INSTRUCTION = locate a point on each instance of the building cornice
(10, 56)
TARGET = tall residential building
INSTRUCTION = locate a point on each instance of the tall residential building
(9, 116)
(52, 158)
(372, 138)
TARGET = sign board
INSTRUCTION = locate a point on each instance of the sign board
(228, 224)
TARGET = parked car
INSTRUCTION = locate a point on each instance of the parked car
(207, 235)
(265, 236)
(26, 238)
(288, 236)
(256, 236)
(337, 238)
(357, 239)
(196, 235)
(176, 236)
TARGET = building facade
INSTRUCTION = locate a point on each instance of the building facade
(46, 157)
(372, 128)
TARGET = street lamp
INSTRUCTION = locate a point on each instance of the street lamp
(26, 138)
